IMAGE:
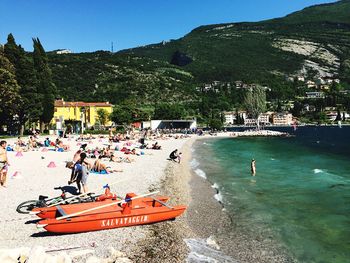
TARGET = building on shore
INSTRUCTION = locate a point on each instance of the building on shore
(315, 95)
(78, 112)
(231, 116)
(282, 119)
(169, 124)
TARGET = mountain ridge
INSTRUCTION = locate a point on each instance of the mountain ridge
(264, 52)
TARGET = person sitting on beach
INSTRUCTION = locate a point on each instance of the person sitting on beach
(47, 142)
(173, 155)
(100, 167)
(20, 143)
(156, 146)
(107, 152)
(32, 143)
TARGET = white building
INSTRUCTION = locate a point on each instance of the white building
(300, 78)
(230, 117)
(282, 119)
(64, 51)
(249, 122)
(264, 118)
(315, 95)
(310, 84)
(169, 124)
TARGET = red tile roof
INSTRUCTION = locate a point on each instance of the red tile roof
(62, 103)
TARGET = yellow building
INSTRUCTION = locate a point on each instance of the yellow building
(73, 111)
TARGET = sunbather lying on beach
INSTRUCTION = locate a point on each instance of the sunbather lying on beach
(100, 167)
(125, 159)
(62, 147)
(156, 146)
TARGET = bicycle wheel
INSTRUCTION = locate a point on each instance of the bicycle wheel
(27, 206)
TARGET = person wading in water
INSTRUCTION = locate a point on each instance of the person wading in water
(252, 167)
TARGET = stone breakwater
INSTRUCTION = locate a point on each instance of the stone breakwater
(259, 133)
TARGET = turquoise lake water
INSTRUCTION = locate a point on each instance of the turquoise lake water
(300, 195)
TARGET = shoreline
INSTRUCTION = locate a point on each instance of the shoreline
(239, 244)
(205, 226)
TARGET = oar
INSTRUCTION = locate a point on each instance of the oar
(162, 203)
(106, 205)
(76, 196)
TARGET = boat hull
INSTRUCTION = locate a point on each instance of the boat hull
(54, 211)
(103, 221)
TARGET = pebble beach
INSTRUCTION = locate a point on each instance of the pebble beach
(29, 176)
(197, 236)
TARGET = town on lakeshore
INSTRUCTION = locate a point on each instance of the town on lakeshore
(121, 128)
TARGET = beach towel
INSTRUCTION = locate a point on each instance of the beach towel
(102, 172)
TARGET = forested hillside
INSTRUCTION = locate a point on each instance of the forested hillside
(314, 41)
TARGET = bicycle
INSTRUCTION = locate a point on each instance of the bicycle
(43, 201)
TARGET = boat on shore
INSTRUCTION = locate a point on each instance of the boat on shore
(134, 210)
(61, 210)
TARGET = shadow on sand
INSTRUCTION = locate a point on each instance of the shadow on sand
(70, 189)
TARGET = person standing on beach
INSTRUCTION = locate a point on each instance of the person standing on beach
(252, 167)
(3, 163)
(81, 168)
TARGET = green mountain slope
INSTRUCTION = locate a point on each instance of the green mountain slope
(110, 77)
(314, 41)
(311, 42)
(337, 12)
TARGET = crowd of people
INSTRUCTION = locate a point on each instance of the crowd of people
(119, 148)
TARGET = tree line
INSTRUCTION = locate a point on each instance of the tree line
(27, 92)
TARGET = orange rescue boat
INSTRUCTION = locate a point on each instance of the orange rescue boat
(61, 210)
(136, 210)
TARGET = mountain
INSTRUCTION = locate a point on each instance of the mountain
(312, 42)
(105, 76)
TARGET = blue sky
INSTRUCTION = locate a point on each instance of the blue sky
(89, 25)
